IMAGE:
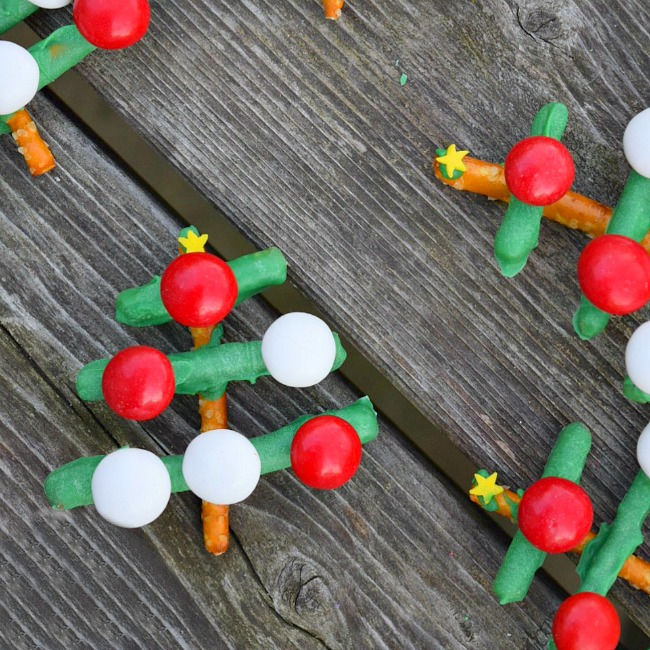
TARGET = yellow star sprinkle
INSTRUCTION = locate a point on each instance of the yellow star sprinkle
(452, 160)
(193, 243)
(486, 487)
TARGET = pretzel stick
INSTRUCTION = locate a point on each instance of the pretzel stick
(37, 154)
(635, 571)
(213, 416)
(332, 8)
(572, 210)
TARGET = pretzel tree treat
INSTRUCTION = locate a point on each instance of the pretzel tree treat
(487, 178)
(613, 270)
(131, 487)
(554, 515)
(23, 72)
(199, 290)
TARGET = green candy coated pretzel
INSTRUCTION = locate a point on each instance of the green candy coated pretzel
(604, 556)
(518, 233)
(630, 218)
(522, 560)
(142, 306)
(69, 486)
(206, 370)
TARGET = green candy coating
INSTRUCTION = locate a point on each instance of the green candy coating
(13, 12)
(633, 393)
(605, 555)
(588, 321)
(631, 217)
(522, 560)
(69, 486)
(518, 233)
(517, 236)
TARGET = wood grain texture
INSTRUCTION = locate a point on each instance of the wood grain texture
(299, 129)
(396, 558)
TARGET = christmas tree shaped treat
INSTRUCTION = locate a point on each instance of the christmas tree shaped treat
(198, 290)
(96, 24)
(554, 515)
(613, 270)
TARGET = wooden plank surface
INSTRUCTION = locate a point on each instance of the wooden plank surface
(299, 129)
(397, 558)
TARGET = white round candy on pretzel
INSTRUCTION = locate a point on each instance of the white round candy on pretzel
(298, 350)
(19, 76)
(131, 487)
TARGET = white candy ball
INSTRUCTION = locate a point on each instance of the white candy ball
(643, 450)
(298, 350)
(131, 487)
(221, 466)
(636, 143)
(637, 357)
(50, 4)
(19, 76)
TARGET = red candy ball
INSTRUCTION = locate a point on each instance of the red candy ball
(614, 274)
(555, 514)
(325, 452)
(198, 289)
(539, 170)
(138, 383)
(586, 621)
(111, 24)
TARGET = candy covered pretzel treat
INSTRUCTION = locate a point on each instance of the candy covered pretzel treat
(198, 290)
(613, 270)
(555, 515)
(505, 502)
(96, 24)
(138, 383)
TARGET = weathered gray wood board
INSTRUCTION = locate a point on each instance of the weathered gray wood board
(299, 129)
(398, 558)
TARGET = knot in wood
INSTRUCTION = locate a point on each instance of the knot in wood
(302, 589)
(541, 21)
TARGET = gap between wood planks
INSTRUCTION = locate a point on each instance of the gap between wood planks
(172, 189)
